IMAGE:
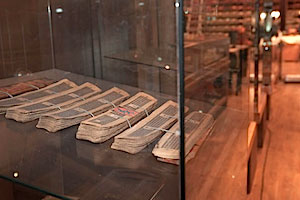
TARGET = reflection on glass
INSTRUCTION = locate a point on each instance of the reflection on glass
(217, 41)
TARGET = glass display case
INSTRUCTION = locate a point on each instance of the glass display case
(172, 129)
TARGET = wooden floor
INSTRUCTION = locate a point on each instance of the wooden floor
(278, 170)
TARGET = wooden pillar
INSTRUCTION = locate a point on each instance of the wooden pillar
(283, 10)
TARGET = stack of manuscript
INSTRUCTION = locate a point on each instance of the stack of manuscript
(135, 139)
(81, 111)
(102, 127)
(20, 88)
(197, 127)
(59, 101)
(30, 97)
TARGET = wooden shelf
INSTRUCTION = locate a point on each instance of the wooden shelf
(227, 15)
(293, 9)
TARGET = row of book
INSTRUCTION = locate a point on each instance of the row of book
(134, 122)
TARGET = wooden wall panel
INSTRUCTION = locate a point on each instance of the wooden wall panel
(84, 34)
(46, 54)
(72, 35)
(117, 26)
(167, 25)
(117, 30)
(134, 25)
(6, 190)
(20, 38)
(95, 20)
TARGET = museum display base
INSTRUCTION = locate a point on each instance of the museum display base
(60, 164)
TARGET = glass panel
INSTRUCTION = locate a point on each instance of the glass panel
(128, 44)
(100, 140)
(217, 44)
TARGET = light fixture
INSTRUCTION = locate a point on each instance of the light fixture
(16, 174)
(59, 10)
(275, 14)
(263, 16)
(167, 67)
